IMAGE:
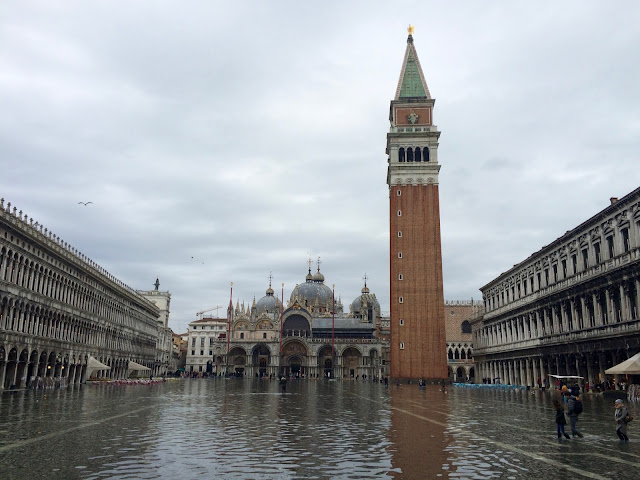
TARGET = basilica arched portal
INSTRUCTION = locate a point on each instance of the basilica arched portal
(236, 361)
(294, 358)
(351, 361)
(261, 358)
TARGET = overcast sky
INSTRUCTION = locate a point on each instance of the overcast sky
(222, 141)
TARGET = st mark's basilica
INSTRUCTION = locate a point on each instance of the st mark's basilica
(304, 338)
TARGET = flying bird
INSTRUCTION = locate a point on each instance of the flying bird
(84, 203)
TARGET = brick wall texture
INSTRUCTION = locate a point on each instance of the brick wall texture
(422, 307)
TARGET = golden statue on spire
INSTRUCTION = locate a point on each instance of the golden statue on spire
(411, 29)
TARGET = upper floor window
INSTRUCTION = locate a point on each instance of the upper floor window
(610, 246)
(401, 155)
(400, 277)
(555, 273)
(596, 248)
(399, 213)
(466, 326)
(625, 240)
(401, 345)
(585, 259)
(564, 269)
(399, 234)
(574, 263)
(402, 321)
(399, 193)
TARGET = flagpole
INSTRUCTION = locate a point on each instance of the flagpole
(229, 324)
(281, 313)
(333, 320)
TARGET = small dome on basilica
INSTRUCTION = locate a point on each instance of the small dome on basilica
(267, 304)
(362, 305)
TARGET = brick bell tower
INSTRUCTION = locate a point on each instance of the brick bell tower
(418, 345)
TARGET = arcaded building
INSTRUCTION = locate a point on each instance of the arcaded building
(416, 287)
(458, 315)
(64, 317)
(569, 309)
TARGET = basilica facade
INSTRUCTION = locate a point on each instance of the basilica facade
(312, 336)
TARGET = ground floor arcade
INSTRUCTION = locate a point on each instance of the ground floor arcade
(47, 365)
(534, 368)
(299, 357)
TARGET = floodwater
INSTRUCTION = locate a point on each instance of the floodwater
(318, 429)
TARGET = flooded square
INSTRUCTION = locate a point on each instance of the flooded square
(318, 429)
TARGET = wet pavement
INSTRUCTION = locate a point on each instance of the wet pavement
(319, 429)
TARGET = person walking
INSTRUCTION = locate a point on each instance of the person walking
(574, 408)
(621, 420)
(561, 421)
(283, 383)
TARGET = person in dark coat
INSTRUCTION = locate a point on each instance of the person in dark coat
(620, 417)
(561, 421)
(573, 415)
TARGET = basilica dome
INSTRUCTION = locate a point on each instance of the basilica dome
(366, 306)
(313, 295)
(267, 304)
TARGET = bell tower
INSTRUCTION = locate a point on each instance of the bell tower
(418, 344)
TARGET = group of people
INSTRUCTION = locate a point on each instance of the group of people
(574, 409)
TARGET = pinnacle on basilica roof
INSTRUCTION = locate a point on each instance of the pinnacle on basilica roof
(412, 83)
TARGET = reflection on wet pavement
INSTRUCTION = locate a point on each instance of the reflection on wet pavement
(319, 429)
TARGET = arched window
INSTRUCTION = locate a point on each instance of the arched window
(241, 335)
(425, 154)
(469, 356)
(418, 155)
(456, 354)
(466, 326)
(409, 154)
(401, 154)
(463, 355)
(450, 354)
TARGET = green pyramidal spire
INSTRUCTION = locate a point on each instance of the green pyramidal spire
(412, 82)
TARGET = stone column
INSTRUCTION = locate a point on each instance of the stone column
(636, 300)
(535, 371)
(607, 304)
(624, 304)
(585, 313)
(519, 372)
(596, 310)
(601, 361)
(543, 375)
(564, 316)
(590, 378)
(512, 372)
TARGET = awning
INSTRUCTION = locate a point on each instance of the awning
(631, 366)
(136, 366)
(95, 364)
